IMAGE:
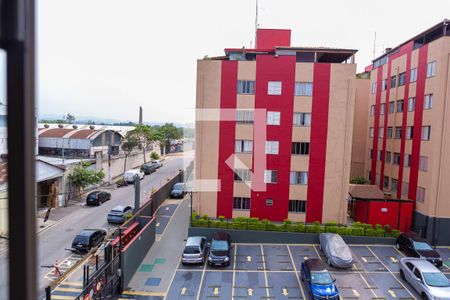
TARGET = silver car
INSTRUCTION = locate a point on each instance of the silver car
(425, 278)
(336, 250)
(195, 251)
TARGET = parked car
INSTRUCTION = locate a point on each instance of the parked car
(88, 239)
(158, 163)
(119, 214)
(177, 190)
(425, 278)
(337, 252)
(219, 251)
(149, 168)
(130, 175)
(415, 246)
(97, 197)
(318, 280)
(195, 251)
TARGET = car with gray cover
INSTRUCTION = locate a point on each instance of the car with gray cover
(337, 252)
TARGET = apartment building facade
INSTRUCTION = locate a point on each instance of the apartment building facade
(408, 141)
(274, 131)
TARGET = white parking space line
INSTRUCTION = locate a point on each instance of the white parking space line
(173, 277)
(265, 272)
(201, 281)
(234, 272)
(296, 273)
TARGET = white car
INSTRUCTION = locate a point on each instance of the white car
(130, 175)
(157, 162)
(425, 278)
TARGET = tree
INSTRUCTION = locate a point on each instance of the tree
(154, 155)
(167, 133)
(146, 135)
(131, 142)
(70, 119)
(81, 176)
(359, 180)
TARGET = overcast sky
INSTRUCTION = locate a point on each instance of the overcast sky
(105, 58)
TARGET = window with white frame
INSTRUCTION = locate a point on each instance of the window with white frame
(428, 101)
(413, 75)
(423, 163)
(371, 132)
(299, 177)
(302, 119)
(389, 132)
(381, 132)
(374, 88)
(431, 69)
(409, 132)
(300, 148)
(384, 84)
(407, 161)
(243, 146)
(411, 103)
(394, 185)
(388, 157)
(391, 107)
(270, 176)
(246, 87)
(243, 175)
(372, 110)
(273, 118)
(420, 196)
(396, 158)
(303, 88)
(297, 206)
(241, 203)
(405, 188)
(244, 116)
(274, 88)
(272, 147)
(426, 132)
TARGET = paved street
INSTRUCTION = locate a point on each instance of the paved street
(53, 240)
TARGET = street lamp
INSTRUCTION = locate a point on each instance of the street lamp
(190, 219)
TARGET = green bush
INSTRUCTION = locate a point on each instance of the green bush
(378, 226)
(221, 218)
(287, 221)
(332, 223)
(395, 233)
(254, 220)
(359, 180)
(205, 217)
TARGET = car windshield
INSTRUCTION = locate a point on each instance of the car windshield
(436, 279)
(81, 239)
(322, 278)
(178, 187)
(191, 250)
(422, 246)
(219, 245)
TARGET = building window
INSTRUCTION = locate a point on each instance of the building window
(426, 131)
(413, 75)
(405, 188)
(409, 132)
(431, 69)
(369, 176)
(380, 154)
(396, 158)
(246, 87)
(374, 88)
(391, 107)
(274, 88)
(401, 79)
(303, 88)
(388, 157)
(399, 105)
(384, 85)
(243, 146)
(269, 202)
(244, 116)
(371, 132)
(381, 132)
(394, 185)
(270, 176)
(411, 103)
(407, 161)
(372, 110)
(389, 132)
(241, 203)
(243, 175)
(386, 182)
(272, 147)
(377, 179)
(382, 106)
(428, 101)
(299, 177)
(273, 118)
(393, 81)
(423, 163)
(302, 119)
(398, 132)
(420, 196)
(297, 206)
(370, 153)
(300, 148)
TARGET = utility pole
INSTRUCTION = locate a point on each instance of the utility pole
(137, 193)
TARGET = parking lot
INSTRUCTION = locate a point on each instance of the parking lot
(271, 271)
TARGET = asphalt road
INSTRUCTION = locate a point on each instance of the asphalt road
(53, 241)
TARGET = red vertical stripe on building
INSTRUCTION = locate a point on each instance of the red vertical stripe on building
(376, 125)
(386, 116)
(318, 143)
(270, 68)
(227, 131)
(418, 114)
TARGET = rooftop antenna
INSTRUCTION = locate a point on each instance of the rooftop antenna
(256, 22)
(374, 44)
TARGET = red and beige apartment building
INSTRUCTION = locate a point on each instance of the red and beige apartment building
(408, 145)
(274, 131)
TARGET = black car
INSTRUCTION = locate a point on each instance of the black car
(88, 239)
(415, 246)
(97, 197)
(149, 168)
(219, 251)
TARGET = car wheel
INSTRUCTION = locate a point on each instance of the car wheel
(329, 262)
(402, 275)
(424, 297)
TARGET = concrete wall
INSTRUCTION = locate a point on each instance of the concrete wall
(434, 230)
(116, 168)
